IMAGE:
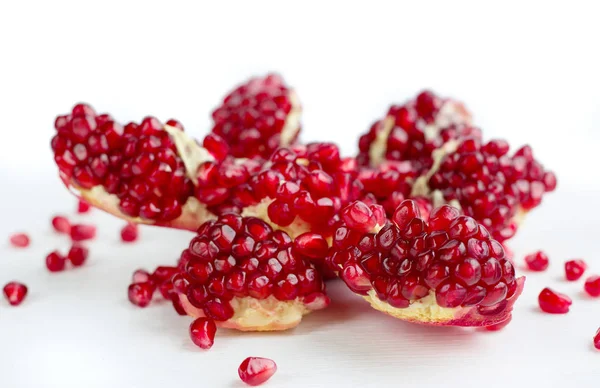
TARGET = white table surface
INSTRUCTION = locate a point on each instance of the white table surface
(529, 73)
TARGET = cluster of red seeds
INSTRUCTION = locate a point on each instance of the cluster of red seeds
(449, 254)
(144, 285)
(138, 163)
(252, 117)
(407, 139)
(241, 257)
(490, 185)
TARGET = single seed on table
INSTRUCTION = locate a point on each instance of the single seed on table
(83, 206)
(574, 269)
(537, 261)
(55, 262)
(19, 240)
(129, 232)
(256, 370)
(77, 255)
(554, 302)
(202, 332)
(82, 232)
(61, 224)
(15, 292)
(592, 285)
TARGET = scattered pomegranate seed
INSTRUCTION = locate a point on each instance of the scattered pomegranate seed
(83, 207)
(82, 232)
(140, 276)
(592, 285)
(61, 224)
(140, 294)
(597, 340)
(499, 326)
(55, 262)
(77, 255)
(129, 232)
(256, 370)
(537, 261)
(554, 302)
(19, 240)
(574, 269)
(15, 292)
(202, 332)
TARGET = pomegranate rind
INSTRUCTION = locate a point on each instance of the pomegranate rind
(426, 311)
(269, 314)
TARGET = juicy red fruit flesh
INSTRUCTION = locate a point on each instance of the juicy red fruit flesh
(140, 294)
(256, 370)
(129, 233)
(61, 224)
(202, 332)
(15, 292)
(83, 207)
(537, 261)
(82, 232)
(574, 269)
(55, 262)
(592, 286)
(19, 240)
(77, 255)
(597, 340)
(554, 302)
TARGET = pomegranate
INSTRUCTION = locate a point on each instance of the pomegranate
(82, 232)
(55, 262)
(256, 370)
(446, 270)
(19, 240)
(554, 302)
(486, 183)
(140, 276)
(574, 269)
(143, 172)
(597, 340)
(140, 294)
(61, 224)
(77, 255)
(537, 261)
(15, 292)
(414, 130)
(202, 332)
(242, 274)
(257, 117)
(592, 285)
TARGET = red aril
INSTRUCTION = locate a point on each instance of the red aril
(256, 370)
(140, 294)
(597, 340)
(61, 224)
(574, 269)
(537, 261)
(83, 206)
(19, 240)
(78, 255)
(554, 302)
(82, 232)
(592, 285)
(202, 332)
(15, 292)
(129, 232)
(55, 262)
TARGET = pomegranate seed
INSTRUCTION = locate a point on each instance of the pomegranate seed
(597, 340)
(256, 370)
(140, 294)
(61, 224)
(83, 207)
(592, 285)
(55, 262)
(82, 232)
(202, 332)
(140, 276)
(19, 240)
(537, 261)
(553, 302)
(574, 269)
(129, 232)
(15, 292)
(77, 255)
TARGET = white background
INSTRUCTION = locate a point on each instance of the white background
(529, 72)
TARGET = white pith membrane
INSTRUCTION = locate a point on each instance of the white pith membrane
(451, 112)
(291, 127)
(269, 314)
(424, 310)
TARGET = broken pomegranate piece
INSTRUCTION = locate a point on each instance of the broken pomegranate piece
(574, 269)
(202, 332)
(258, 117)
(486, 183)
(15, 292)
(256, 370)
(537, 261)
(554, 302)
(446, 270)
(19, 240)
(242, 274)
(139, 172)
(414, 130)
(592, 285)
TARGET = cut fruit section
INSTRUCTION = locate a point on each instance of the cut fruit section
(143, 173)
(486, 183)
(414, 130)
(258, 117)
(242, 274)
(446, 270)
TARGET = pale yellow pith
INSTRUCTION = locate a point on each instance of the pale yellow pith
(424, 310)
(292, 122)
(189, 151)
(295, 229)
(379, 145)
